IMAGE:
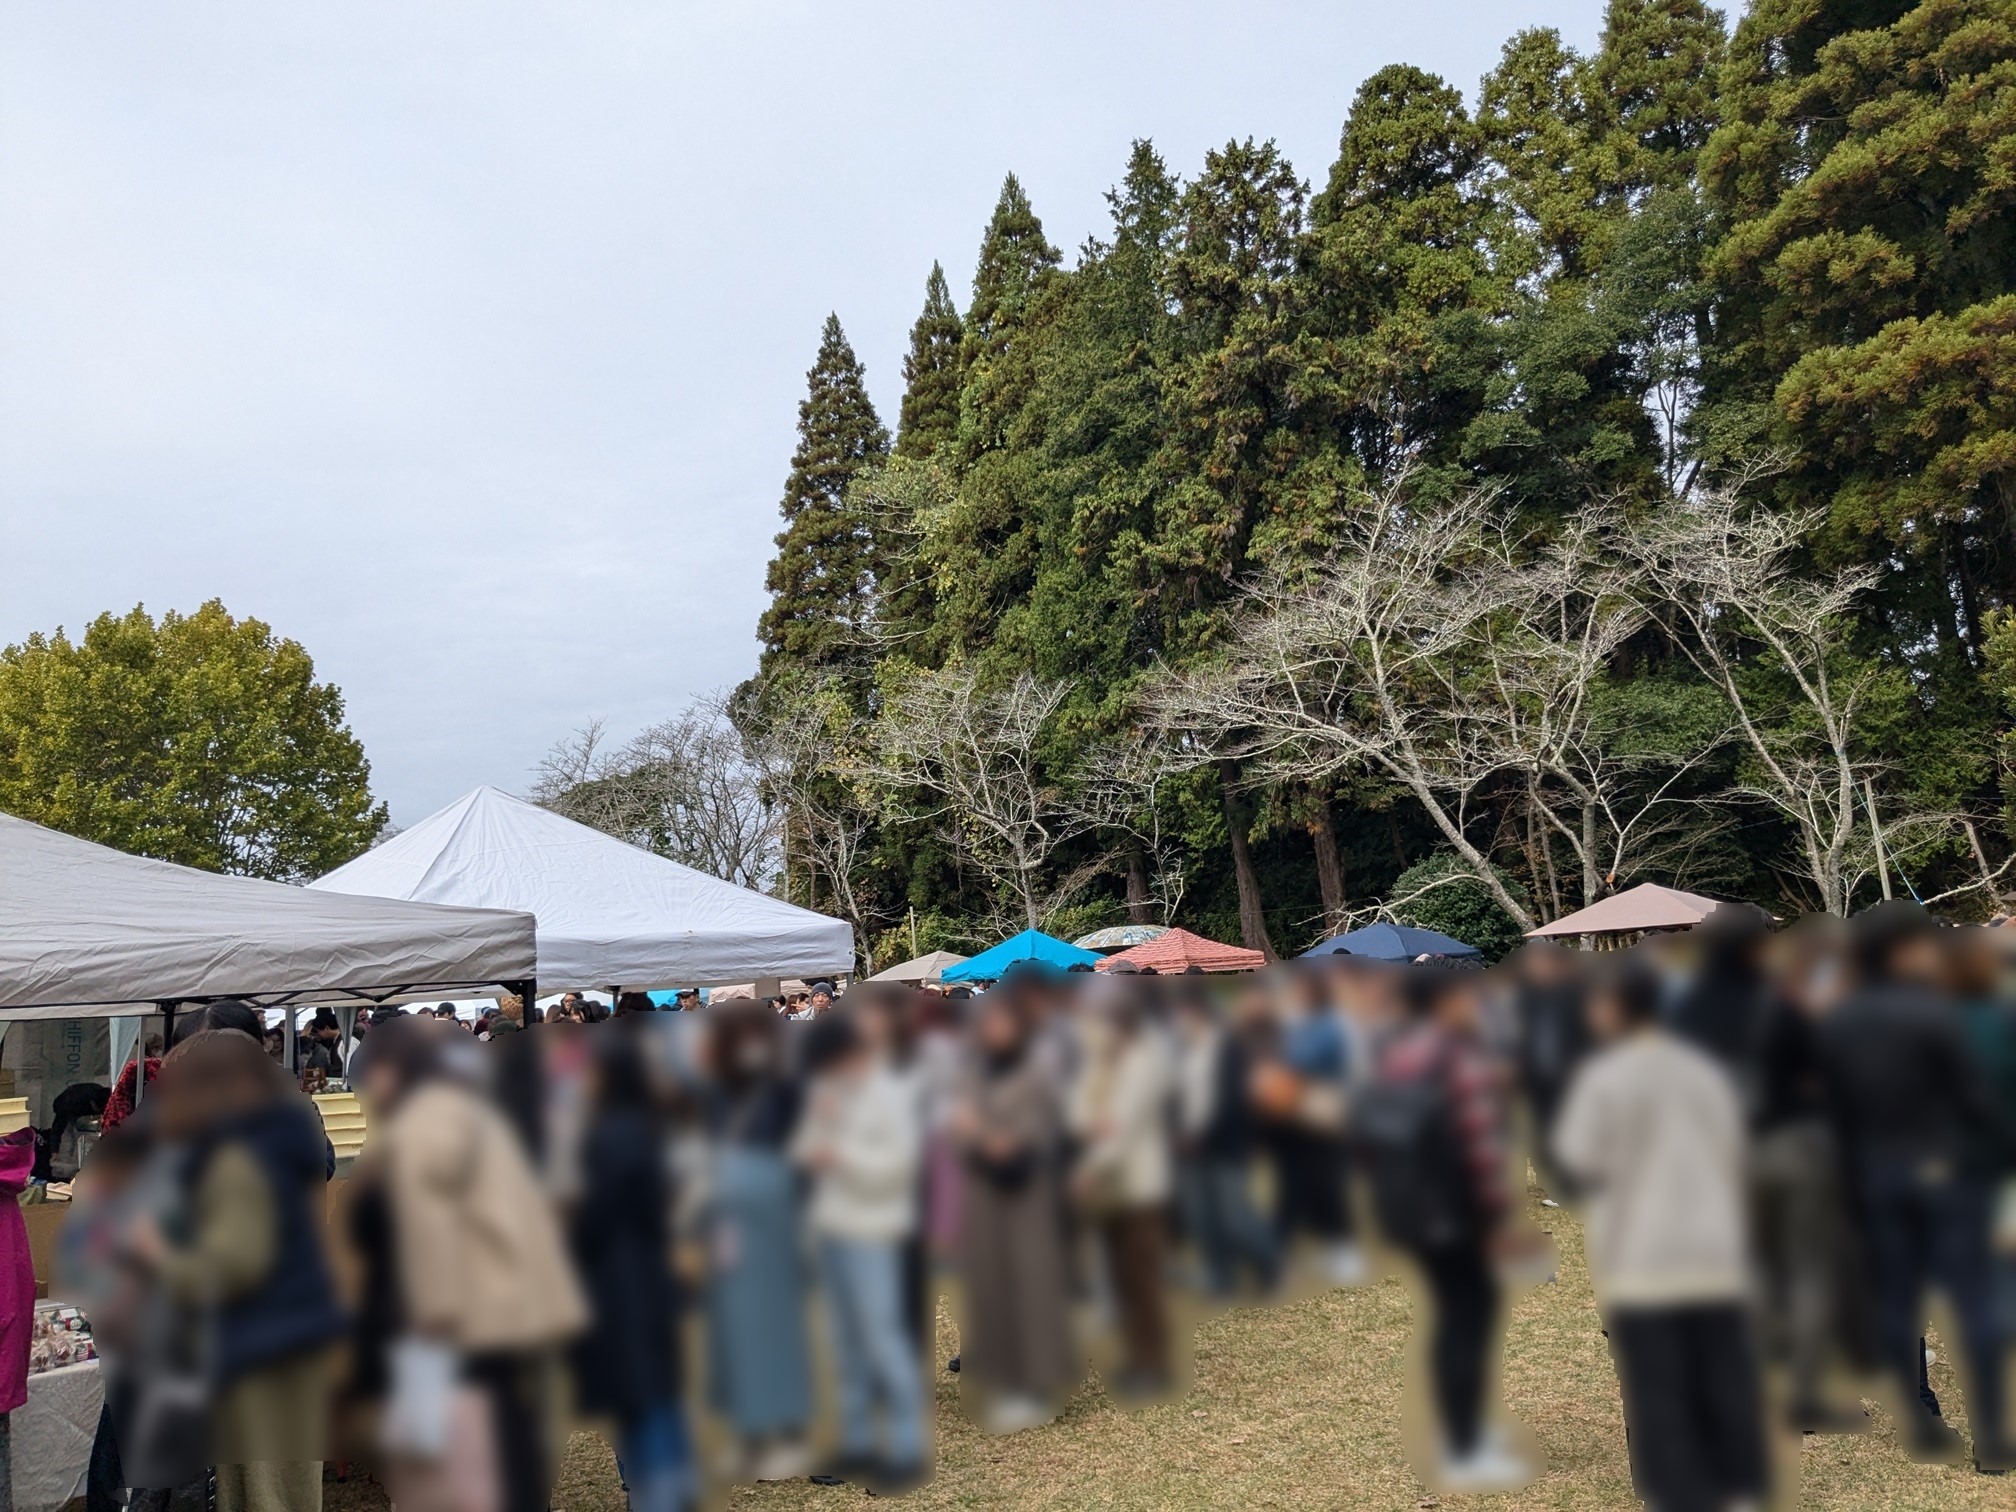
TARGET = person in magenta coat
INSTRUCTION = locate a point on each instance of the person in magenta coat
(17, 1269)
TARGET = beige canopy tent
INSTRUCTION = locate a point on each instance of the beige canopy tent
(1648, 906)
(925, 968)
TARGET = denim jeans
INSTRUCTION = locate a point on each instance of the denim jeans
(1225, 1225)
(874, 1354)
(657, 1460)
(1930, 1230)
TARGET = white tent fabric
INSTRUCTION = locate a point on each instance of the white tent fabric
(90, 932)
(609, 913)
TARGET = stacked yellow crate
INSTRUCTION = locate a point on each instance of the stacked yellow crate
(343, 1121)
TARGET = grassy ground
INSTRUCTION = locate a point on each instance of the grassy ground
(1301, 1406)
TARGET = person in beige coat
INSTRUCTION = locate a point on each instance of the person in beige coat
(470, 1293)
(1124, 1177)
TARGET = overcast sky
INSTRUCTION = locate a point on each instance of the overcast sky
(463, 341)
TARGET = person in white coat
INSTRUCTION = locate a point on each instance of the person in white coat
(862, 1141)
(1652, 1135)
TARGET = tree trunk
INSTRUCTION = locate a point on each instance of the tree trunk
(1592, 882)
(1140, 907)
(1252, 918)
(1329, 862)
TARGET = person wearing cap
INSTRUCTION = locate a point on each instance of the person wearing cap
(688, 999)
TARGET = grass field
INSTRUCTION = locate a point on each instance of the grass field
(1300, 1406)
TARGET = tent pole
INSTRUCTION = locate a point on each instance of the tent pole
(287, 1032)
(167, 1040)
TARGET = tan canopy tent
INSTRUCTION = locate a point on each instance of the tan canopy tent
(925, 968)
(1647, 906)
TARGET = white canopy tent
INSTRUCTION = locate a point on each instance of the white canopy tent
(610, 914)
(91, 932)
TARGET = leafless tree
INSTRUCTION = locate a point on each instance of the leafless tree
(1539, 657)
(808, 745)
(1120, 788)
(1443, 651)
(1772, 641)
(684, 788)
(968, 755)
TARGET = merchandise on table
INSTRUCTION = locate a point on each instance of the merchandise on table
(60, 1335)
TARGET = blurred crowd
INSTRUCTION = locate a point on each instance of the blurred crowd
(724, 1235)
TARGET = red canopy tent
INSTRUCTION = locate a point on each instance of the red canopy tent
(1179, 950)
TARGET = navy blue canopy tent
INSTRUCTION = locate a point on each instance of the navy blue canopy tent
(1391, 942)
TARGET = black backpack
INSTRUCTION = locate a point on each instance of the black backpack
(1406, 1139)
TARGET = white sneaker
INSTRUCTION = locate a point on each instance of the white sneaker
(1344, 1265)
(1492, 1466)
(1014, 1414)
(782, 1462)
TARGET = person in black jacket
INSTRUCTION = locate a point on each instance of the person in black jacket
(246, 1256)
(1216, 1134)
(626, 1367)
(1913, 1109)
(1549, 1002)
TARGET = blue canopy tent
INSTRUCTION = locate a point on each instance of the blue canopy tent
(1391, 942)
(1030, 945)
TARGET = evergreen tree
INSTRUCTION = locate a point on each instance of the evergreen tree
(1658, 72)
(930, 415)
(1015, 265)
(1624, 268)
(1402, 287)
(989, 544)
(1868, 284)
(821, 577)
(1543, 129)
(1589, 162)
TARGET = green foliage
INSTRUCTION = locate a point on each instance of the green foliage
(199, 739)
(1442, 894)
(930, 416)
(2002, 678)
(1867, 279)
(823, 573)
(1625, 275)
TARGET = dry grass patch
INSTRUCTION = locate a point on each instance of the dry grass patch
(1300, 1407)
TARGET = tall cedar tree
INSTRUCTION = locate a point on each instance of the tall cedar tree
(1237, 474)
(1587, 163)
(1403, 286)
(929, 420)
(1015, 264)
(822, 576)
(1869, 279)
(991, 537)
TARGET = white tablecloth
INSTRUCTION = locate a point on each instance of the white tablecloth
(51, 1436)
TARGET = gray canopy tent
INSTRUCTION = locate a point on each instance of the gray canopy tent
(88, 932)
